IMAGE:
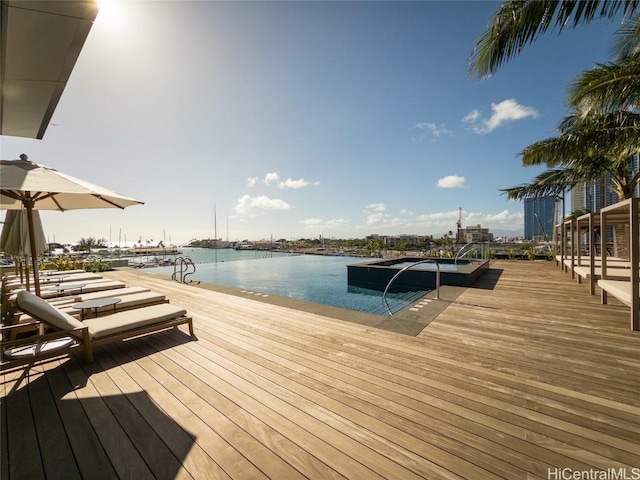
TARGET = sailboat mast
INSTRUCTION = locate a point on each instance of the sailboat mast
(215, 235)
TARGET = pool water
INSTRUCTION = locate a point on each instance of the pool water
(444, 267)
(313, 278)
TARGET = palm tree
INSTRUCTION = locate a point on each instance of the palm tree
(601, 137)
(518, 23)
(589, 148)
(616, 85)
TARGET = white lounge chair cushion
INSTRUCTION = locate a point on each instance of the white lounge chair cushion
(38, 308)
(132, 319)
(48, 280)
(90, 286)
(618, 288)
(136, 299)
(127, 301)
(612, 272)
(101, 286)
(115, 292)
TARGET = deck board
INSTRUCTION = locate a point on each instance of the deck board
(523, 373)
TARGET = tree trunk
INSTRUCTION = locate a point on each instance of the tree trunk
(621, 241)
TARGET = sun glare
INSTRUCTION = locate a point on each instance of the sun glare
(109, 11)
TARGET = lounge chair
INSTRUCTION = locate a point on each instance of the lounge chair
(72, 288)
(70, 334)
(81, 288)
(54, 279)
(116, 292)
(102, 289)
(127, 302)
(44, 274)
(612, 272)
(620, 289)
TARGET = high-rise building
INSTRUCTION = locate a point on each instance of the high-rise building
(587, 197)
(539, 218)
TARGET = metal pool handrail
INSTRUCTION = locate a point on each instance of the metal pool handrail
(384, 294)
(468, 251)
(181, 275)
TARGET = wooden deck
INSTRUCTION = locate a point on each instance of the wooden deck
(522, 375)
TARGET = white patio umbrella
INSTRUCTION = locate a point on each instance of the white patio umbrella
(15, 240)
(24, 184)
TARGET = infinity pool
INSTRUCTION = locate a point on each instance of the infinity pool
(313, 278)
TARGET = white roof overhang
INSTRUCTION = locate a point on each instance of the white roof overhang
(40, 42)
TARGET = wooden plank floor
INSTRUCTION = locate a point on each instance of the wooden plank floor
(525, 374)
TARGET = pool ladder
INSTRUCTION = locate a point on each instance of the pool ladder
(181, 268)
(461, 255)
(384, 294)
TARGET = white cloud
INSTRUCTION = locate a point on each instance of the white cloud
(429, 128)
(324, 224)
(377, 218)
(271, 178)
(248, 205)
(404, 211)
(501, 113)
(447, 220)
(377, 207)
(439, 222)
(311, 222)
(472, 116)
(443, 221)
(451, 181)
(505, 218)
(290, 183)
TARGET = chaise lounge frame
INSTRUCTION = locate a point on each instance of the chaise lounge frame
(81, 336)
(624, 212)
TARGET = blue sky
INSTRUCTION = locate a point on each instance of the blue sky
(300, 119)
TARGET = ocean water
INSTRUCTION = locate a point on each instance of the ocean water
(208, 255)
(313, 278)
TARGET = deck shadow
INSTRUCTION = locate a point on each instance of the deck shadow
(61, 422)
(488, 280)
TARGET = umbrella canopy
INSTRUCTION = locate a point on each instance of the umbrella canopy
(36, 187)
(14, 238)
(49, 189)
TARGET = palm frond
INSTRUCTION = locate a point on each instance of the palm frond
(548, 183)
(518, 23)
(584, 170)
(610, 87)
(627, 44)
(609, 137)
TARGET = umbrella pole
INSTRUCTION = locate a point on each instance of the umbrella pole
(26, 267)
(17, 267)
(32, 243)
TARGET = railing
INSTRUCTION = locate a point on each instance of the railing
(182, 267)
(384, 294)
(461, 255)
